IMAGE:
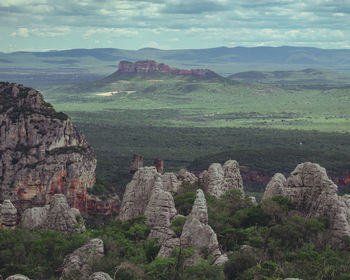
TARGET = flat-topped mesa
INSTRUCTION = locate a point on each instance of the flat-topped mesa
(147, 66)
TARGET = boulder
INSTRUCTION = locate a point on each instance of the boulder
(17, 277)
(77, 265)
(100, 276)
(196, 231)
(219, 179)
(57, 216)
(275, 186)
(8, 215)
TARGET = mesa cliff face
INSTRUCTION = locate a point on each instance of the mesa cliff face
(42, 153)
(147, 66)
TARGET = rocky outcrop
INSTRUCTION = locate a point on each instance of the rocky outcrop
(275, 186)
(8, 215)
(171, 182)
(159, 165)
(100, 276)
(138, 193)
(147, 66)
(196, 231)
(42, 153)
(160, 212)
(77, 265)
(313, 194)
(136, 163)
(107, 207)
(17, 277)
(185, 176)
(218, 179)
(56, 216)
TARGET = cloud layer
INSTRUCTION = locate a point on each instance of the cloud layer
(133, 24)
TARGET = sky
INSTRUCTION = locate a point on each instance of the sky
(38, 25)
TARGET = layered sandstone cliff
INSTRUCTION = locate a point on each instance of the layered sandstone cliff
(42, 153)
(147, 66)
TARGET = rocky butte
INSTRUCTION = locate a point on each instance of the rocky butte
(147, 66)
(41, 153)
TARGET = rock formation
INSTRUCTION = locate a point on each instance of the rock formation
(42, 153)
(196, 231)
(159, 165)
(136, 163)
(147, 66)
(17, 277)
(275, 186)
(100, 276)
(185, 176)
(8, 215)
(160, 212)
(77, 265)
(56, 216)
(171, 182)
(313, 194)
(219, 179)
(138, 193)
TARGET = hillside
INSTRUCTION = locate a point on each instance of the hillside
(82, 65)
(321, 79)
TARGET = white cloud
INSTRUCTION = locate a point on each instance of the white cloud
(116, 32)
(21, 32)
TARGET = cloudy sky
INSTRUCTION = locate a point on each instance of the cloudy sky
(37, 25)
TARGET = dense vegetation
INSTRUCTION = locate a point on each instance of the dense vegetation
(263, 241)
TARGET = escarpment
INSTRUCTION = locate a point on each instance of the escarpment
(313, 194)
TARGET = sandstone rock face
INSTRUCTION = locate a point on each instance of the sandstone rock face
(313, 194)
(160, 212)
(100, 276)
(185, 176)
(136, 163)
(77, 265)
(8, 215)
(171, 182)
(57, 216)
(196, 231)
(138, 193)
(275, 186)
(42, 153)
(147, 66)
(17, 277)
(159, 165)
(219, 179)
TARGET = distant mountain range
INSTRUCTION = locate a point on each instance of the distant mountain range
(79, 65)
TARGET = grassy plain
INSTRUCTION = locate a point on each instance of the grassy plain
(191, 122)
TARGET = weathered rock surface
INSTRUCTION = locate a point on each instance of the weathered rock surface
(138, 193)
(313, 194)
(100, 276)
(159, 165)
(196, 231)
(17, 277)
(77, 265)
(185, 176)
(171, 182)
(42, 153)
(147, 66)
(8, 215)
(218, 179)
(136, 163)
(160, 212)
(56, 216)
(275, 186)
